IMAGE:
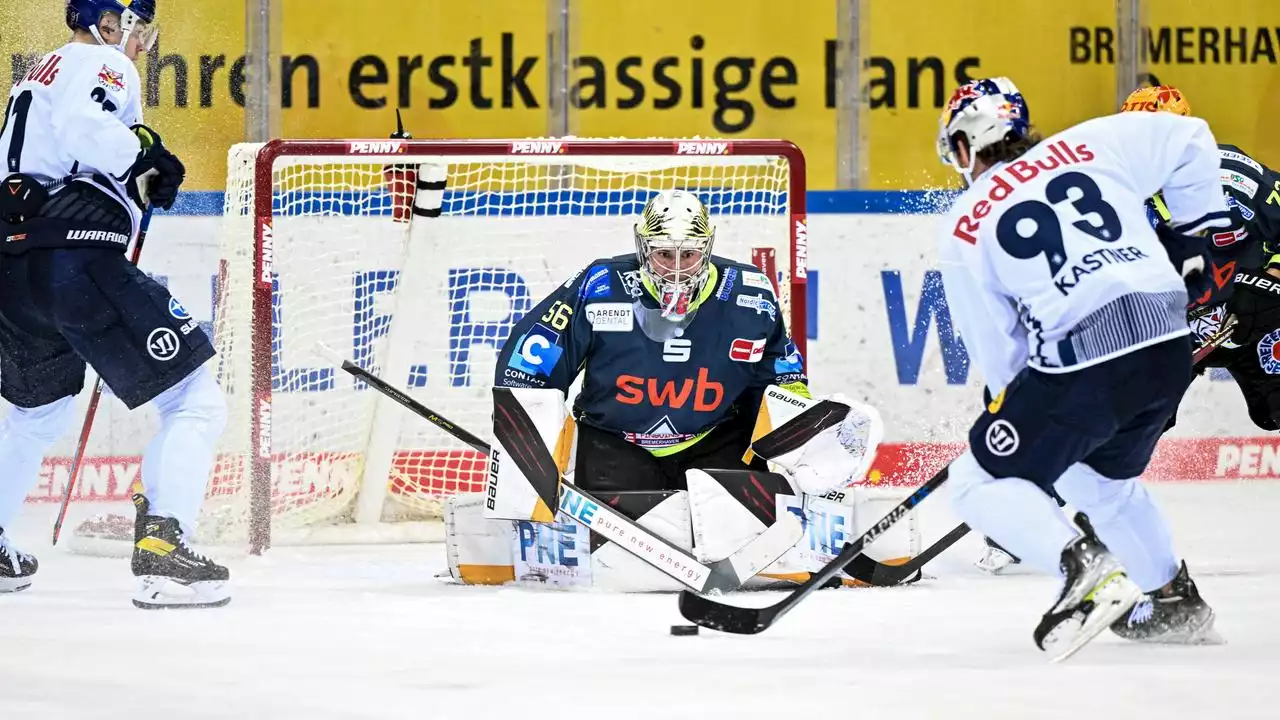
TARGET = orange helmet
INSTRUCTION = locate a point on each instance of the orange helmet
(1165, 98)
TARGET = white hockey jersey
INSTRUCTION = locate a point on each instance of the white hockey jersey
(1049, 260)
(70, 115)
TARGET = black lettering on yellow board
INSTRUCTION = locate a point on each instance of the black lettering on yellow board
(1184, 45)
(732, 87)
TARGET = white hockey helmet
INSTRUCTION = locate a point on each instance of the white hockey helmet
(984, 112)
(673, 245)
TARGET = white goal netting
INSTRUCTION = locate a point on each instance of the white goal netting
(424, 301)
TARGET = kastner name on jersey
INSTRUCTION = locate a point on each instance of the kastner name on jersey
(654, 382)
(1071, 209)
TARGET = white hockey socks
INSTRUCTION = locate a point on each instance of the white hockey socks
(1127, 522)
(26, 434)
(1013, 512)
(176, 464)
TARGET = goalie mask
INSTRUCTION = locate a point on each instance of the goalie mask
(136, 17)
(673, 245)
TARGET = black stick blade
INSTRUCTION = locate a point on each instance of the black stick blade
(708, 613)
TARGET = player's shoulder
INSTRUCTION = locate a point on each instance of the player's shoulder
(738, 278)
(114, 70)
(603, 278)
(1237, 160)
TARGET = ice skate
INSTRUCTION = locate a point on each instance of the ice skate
(1095, 593)
(995, 558)
(1176, 615)
(170, 574)
(16, 567)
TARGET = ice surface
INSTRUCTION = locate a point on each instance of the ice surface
(367, 632)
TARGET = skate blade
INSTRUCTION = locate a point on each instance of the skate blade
(1115, 597)
(13, 585)
(1204, 634)
(994, 562)
(163, 593)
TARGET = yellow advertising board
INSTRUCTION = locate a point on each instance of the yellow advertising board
(722, 68)
(1223, 56)
(921, 50)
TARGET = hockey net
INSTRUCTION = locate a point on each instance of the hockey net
(319, 247)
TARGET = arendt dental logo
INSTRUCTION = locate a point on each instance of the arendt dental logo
(703, 148)
(537, 147)
(1002, 438)
(611, 317)
(376, 147)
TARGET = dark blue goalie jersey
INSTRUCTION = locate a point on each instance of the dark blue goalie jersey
(656, 383)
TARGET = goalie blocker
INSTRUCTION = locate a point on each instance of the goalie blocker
(509, 533)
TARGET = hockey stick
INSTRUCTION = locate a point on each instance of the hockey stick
(868, 571)
(708, 613)
(89, 414)
(719, 576)
(1212, 342)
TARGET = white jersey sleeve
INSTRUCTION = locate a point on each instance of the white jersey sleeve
(71, 115)
(1176, 155)
(1049, 260)
(988, 322)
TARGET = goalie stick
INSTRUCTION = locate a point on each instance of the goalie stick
(719, 576)
(871, 572)
(78, 459)
(714, 615)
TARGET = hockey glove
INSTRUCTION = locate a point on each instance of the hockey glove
(157, 170)
(1255, 301)
(1187, 254)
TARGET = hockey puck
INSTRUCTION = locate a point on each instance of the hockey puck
(684, 629)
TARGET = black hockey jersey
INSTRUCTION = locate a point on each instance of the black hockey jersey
(656, 383)
(1253, 240)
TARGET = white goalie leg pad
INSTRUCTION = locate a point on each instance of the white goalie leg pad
(896, 545)
(533, 439)
(614, 568)
(485, 551)
(721, 525)
(478, 548)
(820, 452)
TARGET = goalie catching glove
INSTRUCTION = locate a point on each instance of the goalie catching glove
(820, 444)
(156, 169)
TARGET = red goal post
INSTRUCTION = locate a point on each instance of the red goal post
(324, 211)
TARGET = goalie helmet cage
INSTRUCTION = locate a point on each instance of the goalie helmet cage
(414, 258)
